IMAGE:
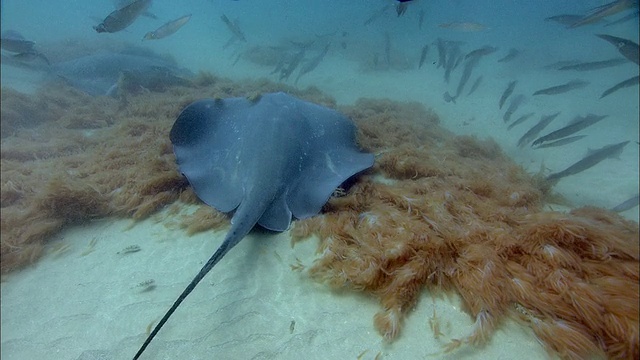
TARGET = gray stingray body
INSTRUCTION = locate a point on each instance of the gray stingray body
(268, 159)
(98, 74)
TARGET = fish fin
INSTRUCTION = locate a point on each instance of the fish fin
(113, 90)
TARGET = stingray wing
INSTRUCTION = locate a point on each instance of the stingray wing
(205, 141)
(333, 158)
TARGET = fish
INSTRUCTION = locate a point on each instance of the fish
(483, 51)
(464, 26)
(593, 158)
(454, 54)
(238, 34)
(624, 19)
(627, 48)
(448, 98)
(604, 11)
(423, 55)
(626, 83)
(122, 18)
(558, 64)
(313, 63)
(292, 65)
(594, 65)
(627, 204)
(475, 85)
(520, 120)
(442, 53)
(145, 80)
(31, 56)
(122, 3)
(401, 8)
(559, 89)
(512, 54)
(387, 48)
(466, 73)
(167, 29)
(507, 92)
(375, 16)
(459, 59)
(561, 142)
(421, 19)
(267, 159)
(535, 130)
(513, 106)
(575, 125)
(13, 41)
(565, 19)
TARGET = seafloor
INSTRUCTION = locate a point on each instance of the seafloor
(447, 213)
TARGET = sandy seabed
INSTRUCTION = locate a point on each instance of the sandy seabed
(485, 251)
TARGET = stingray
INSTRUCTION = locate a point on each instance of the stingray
(102, 73)
(266, 159)
(98, 74)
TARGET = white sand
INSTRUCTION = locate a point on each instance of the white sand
(71, 306)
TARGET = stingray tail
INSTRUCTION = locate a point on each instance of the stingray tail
(245, 214)
(219, 254)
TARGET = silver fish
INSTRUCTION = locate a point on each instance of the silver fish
(454, 54)
(464, 26)
(475, 85)
(593, 158)
(31, 56)
(483, 51)
(466, 74)
(627, 83)
(121, 19)
(565, 19)
(535, 130)
(513, 106)
(167, 29)
(448, 98)
(119, 4)
(604, 11)
(423, 55)
(442, 53)
(627, 48)
(507, 92)
(420, 19)
(292, 65)
(375, 16)
(627, 204)
(520, 120)
(577, 124)
(313, 63)
(624, 19)
(558, 64)
(559, 89)
(13, 41)
(561, 142)
(387, 48)
(510, 55)
(234, 28)
(594, 65)
(401, 8)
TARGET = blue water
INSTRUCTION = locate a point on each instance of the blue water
(347, 72)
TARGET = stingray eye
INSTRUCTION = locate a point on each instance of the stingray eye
(620, 45)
